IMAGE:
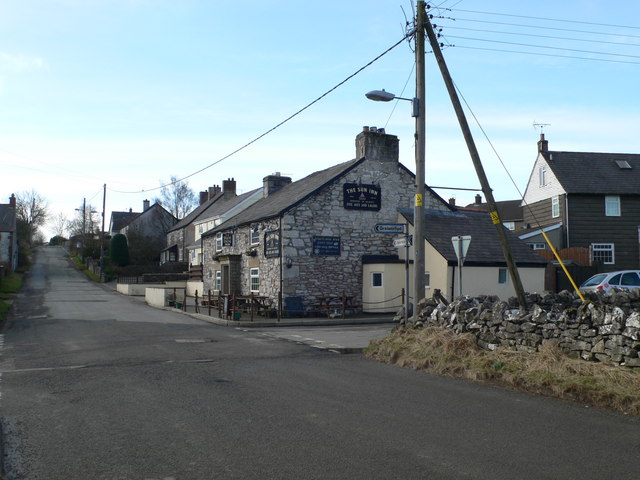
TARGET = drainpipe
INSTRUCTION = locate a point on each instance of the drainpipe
(280, 299)
(566, 219)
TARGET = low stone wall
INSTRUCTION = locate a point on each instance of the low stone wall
(605, 328)
(160, 296)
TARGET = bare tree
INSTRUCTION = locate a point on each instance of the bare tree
(59, 224)
(177, 197)
(31, 210)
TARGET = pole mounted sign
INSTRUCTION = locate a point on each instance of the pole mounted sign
(389, 228)
(405, 241)
(460, 246)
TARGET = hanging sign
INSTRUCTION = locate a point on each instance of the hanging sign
(272, 243)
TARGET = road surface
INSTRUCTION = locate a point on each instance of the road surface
(95, 386)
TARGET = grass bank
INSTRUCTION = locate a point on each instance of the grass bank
(548, 372)
(79, 264)
(9, 286)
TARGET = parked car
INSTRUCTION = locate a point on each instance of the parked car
(625, 279)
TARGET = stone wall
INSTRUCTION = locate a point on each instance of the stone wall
(605, 328)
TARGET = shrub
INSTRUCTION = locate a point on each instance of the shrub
(119, 250)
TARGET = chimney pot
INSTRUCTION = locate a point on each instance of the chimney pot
(478, 199)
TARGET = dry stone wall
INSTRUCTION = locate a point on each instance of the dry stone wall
(605, 328)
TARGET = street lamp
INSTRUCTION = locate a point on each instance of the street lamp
(384, 96)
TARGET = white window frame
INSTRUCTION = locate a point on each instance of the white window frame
(509, 225)
(555, 206)
(602, 249)
(542, 175)
(218, 281)
(254, 235)
(503, 271)
(373, 282)
(612, 206)
(218, 241)
(537, 246)
(254, 280)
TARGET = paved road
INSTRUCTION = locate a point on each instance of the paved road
(96, 386)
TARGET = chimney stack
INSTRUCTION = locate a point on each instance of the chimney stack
(543, 145)
(12, 201)
(478, 199)
(273, 183)
(452, 202)
(145, 205)
(229, 188)
(374, 144)
(214, 191)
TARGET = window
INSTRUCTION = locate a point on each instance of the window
(218, 283)
(603, 252)
(555, 206)
(255, 235)
(502, 276)
(218, 242)
(510, 225)
(200, 228)
(254, 275)
(542, 175)
(376, 279)
(427, 279)
(630, 279)
(612, 206)
(537, 246)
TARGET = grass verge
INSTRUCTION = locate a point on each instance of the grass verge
(77, 261)
(548, 372)
(9, 286)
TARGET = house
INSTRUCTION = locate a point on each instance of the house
(8, 235)
(585, 201)
(304, 243)
(146, 233)
(218, 212)
(484, 269)
(119, 220)
(182, 234)
(510, 211)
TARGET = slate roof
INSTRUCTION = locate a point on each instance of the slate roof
(119, 220)
(287, 197)
(7, 218)
(213, 207)
(294, 193)
(484, 249)
(595, 173)
(509, 210)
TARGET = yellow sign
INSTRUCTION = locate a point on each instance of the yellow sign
(495, 218)
(418, 199)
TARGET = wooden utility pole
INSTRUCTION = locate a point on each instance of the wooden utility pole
(104, 203)
(418, 215)
(475, 158)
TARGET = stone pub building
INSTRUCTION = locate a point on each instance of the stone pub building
(305, 242)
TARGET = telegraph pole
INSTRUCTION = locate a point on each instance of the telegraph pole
(475, 158)
(104, 203)
(418, 213)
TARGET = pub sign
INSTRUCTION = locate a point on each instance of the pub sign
(360, 196)
(272, 243)
(227, 239)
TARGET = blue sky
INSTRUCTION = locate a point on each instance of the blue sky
(130, 92)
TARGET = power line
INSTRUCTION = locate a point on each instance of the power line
(547, 55)
(278, 125)
(451, 27)
(544, 18)
(544, 46)
(590, 32)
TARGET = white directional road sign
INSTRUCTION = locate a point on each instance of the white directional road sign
(389, 228)
(461, 245)
(403, 241)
